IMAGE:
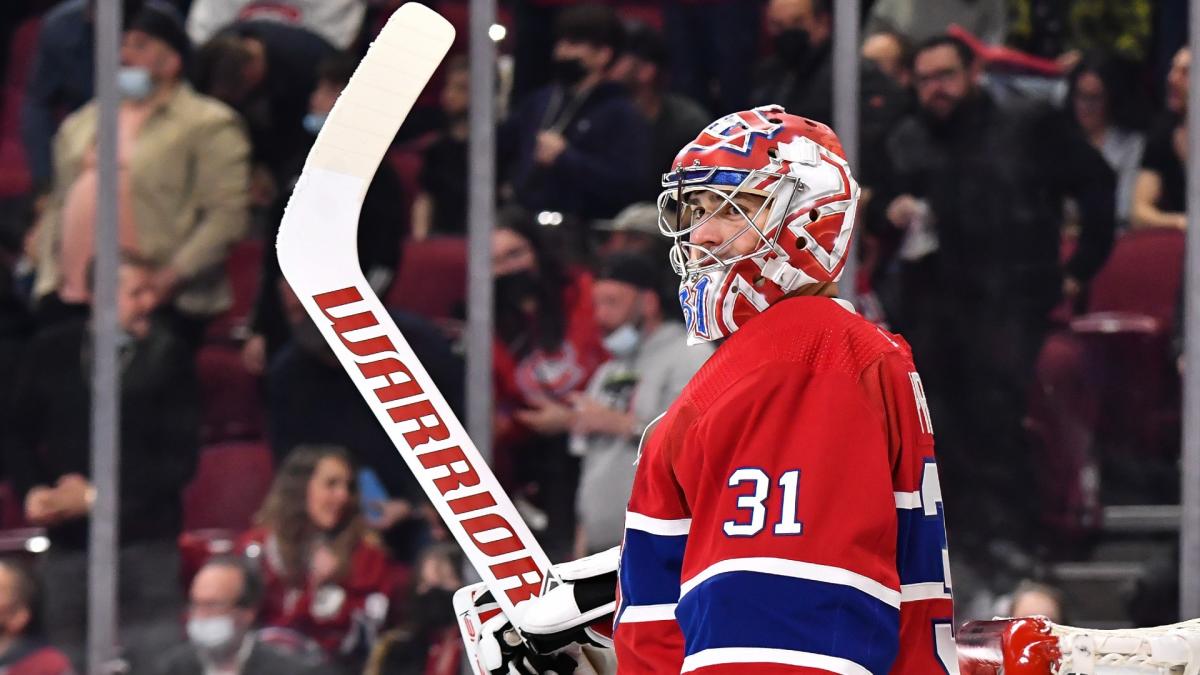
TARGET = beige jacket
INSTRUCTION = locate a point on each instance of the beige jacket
(189, 178)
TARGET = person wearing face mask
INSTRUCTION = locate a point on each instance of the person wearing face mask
(47, 441)
(673, 117)
(577, 146)
(266, 70)
(224, 601)
(799, 73)
(430, 629)
(183, 167)
(380, 227)
(326, 576)
(546, 347)
(606, 421)
(60, 77)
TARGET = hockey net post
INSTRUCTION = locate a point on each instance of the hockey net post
(1037, 646)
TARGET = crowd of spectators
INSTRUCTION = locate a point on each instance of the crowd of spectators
(1005, 147)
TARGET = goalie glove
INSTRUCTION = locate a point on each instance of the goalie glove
(565, 631)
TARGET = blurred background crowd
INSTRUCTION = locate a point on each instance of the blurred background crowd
(1023, 226)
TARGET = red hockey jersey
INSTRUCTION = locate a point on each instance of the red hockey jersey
(786, 515)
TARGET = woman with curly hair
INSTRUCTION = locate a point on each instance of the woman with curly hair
(326, 574)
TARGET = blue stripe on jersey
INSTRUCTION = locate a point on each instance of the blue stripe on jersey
(650, 568)
(919, 543)
(753, 609)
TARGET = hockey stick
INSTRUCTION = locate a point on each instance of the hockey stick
(319, 258)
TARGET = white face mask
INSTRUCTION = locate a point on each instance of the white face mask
(214, 634)
(623, 341)
(134, 83)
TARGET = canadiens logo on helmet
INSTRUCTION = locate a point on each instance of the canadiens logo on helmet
(794, 170)
(737, 132)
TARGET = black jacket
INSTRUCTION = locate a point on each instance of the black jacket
(607, 155)
(48, 430)
(381, 229)
(805, 88)
(996, 180)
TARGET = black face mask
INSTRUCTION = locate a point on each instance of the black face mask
(568, 72)
(792, 45)
(514, 288)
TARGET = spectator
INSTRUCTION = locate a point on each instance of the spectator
(623, 397)
(1159, 195)
(421, 646)
(225, 598)
(311, 401)
(49, 459)
(716, 36)
(547, 346)
(183, 190)
(441, 205)
(325, 574)
(891, 52)
(22, 652)
(799, 73)
(635, 230)
(578, 146)
(1033, 599)
(437, 578)
(380, 225)
(60, 79)
(981, 190)
(674, 119)
(1096, 91)
(920, 21)
(267, 71)
(338, 22)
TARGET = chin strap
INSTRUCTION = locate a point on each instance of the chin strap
(784, 275)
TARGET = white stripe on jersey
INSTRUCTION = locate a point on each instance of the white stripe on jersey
(659, 526)
(932, 590)
(908, 500)
(647, 613)
(799, 570)
(830, 664)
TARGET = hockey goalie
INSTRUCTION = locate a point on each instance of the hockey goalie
(786, 515)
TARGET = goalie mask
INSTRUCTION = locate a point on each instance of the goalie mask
(779, 189)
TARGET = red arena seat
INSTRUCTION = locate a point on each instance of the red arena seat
(231, 481)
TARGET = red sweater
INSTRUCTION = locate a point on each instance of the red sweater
(546, 375)
(329, 614)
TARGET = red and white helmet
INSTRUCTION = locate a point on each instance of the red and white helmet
(799, 166)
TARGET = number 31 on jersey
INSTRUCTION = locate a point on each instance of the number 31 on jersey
(754, 503)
